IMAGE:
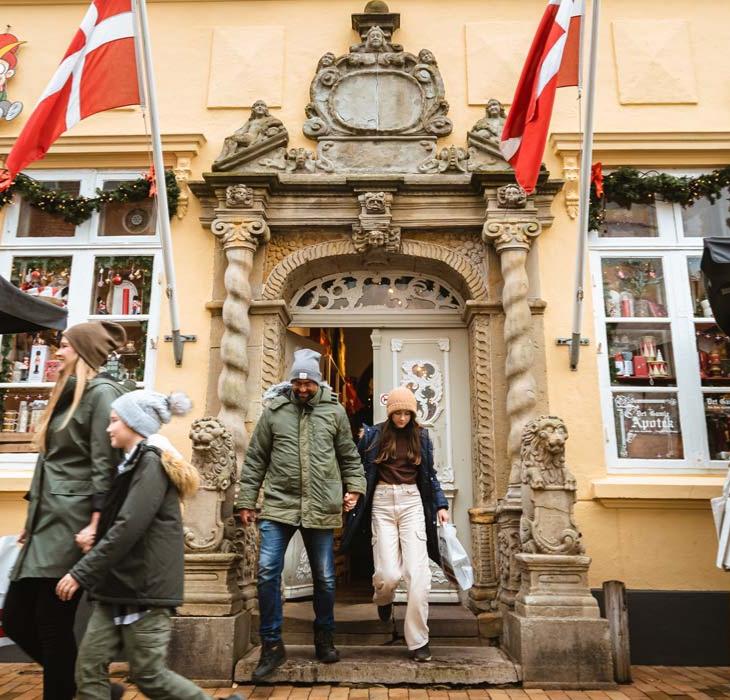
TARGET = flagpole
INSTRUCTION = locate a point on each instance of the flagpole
(163, 213)
(585, 189)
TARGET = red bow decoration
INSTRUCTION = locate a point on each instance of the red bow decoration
(150, 177)
(597, 178)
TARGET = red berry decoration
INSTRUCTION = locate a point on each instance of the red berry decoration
(117, 279)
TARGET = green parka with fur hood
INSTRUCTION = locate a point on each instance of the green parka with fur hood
(139, 555)
(305, 457)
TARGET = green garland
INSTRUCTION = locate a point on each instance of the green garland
(76, 210)
(627, 186)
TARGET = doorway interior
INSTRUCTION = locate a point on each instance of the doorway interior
(347, 366)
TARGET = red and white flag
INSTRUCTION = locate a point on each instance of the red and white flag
(98, 72)
(551, 63)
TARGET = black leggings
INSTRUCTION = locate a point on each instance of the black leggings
(42, 625)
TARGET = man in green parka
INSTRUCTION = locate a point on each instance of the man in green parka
(303, 454)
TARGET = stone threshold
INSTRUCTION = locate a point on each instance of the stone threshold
(390, 665)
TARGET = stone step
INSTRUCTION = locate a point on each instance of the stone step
(304, 638)
(390, 665)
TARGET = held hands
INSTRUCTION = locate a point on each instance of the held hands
(350, 501)
(443, 516)
(67, 587)
(22, 537)
(247, 515)
(85, 538)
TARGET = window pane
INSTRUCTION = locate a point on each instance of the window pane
(34, 223)
(633, 287)
(705, 219)
(713, 349)
(30, 357)
(127, 219)
(45, 277)
(717, 419)
(122, 285)
(700, 304)
(640, 354)
(21, 410)
(637, 222)
(647, 426)
(129, 361)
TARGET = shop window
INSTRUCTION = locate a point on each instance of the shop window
(663, 362)
(127, 218)
(86, 274)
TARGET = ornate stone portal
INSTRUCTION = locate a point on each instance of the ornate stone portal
(379, 193)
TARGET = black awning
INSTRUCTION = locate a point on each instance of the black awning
(22, 313)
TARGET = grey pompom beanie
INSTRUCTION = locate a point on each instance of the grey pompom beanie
(145, 411)
(306, 366)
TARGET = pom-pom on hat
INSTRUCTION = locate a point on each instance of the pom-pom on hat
(401, 399)
(145, 411)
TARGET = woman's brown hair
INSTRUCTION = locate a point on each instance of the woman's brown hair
(388, 441)
(84, 373)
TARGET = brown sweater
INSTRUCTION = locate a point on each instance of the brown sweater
(399, 470)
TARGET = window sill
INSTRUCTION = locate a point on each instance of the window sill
(15, 481)
(673, 492)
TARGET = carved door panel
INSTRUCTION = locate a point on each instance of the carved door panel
(434, 363)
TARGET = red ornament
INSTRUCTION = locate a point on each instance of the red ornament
(117, 279)
(35, 274)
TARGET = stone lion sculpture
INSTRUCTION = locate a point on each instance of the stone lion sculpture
(215, 459)
(548, 496)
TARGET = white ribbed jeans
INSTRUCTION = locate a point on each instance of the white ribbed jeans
(399, 550)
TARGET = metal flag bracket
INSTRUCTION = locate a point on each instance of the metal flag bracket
(178, 339)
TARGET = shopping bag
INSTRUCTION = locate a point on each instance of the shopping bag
(8, 555)
(454, 559)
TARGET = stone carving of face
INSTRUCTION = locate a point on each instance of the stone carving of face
(327, 60)
(494, 109)
(259, 109)
(425, 56)
(375, 39)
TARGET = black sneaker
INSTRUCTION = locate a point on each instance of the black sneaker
(421, 654)
(273, 655)
(385, 612)
(324, 647)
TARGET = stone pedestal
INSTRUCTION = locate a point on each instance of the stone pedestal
(211, 586)
(555, 631)
(206, 648)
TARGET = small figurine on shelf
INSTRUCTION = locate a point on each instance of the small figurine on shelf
(648, 347)
(136, 306)
(628, 363)
(25, 369)
(627, 304)
(613, 303)
(715, 369)
(658, 367)
(101, 306)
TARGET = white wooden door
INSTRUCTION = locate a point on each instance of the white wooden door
(434, 364)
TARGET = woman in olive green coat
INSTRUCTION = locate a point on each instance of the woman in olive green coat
(72, 476)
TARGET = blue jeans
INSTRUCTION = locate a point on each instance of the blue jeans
(272, 548)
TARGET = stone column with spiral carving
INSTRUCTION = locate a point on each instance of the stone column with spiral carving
(240, 233)
(511, 226)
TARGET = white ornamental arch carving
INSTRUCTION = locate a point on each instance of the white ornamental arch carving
(388, 291)
(276, 284)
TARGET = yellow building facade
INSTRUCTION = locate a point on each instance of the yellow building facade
(647, 442)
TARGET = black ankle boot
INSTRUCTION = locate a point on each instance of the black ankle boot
(324, 647)
(273, 655)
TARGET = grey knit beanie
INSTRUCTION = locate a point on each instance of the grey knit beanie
(306, 366)
(145, 411)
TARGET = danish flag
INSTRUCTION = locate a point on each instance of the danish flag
(98, 72)
(551, 63)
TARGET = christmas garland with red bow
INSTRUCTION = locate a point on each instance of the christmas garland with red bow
(76, 210)
(627, 186)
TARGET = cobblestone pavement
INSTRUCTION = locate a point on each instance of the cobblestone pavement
(23, 682)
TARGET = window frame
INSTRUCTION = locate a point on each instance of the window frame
(674, 250)
(83, 248)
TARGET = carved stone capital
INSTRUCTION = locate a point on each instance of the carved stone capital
(241, 233)
(511, 233)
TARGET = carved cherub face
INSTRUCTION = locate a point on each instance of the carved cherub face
(375, 39)
(494, 108)
(259, 109)
(327, 60)
(425, 56)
